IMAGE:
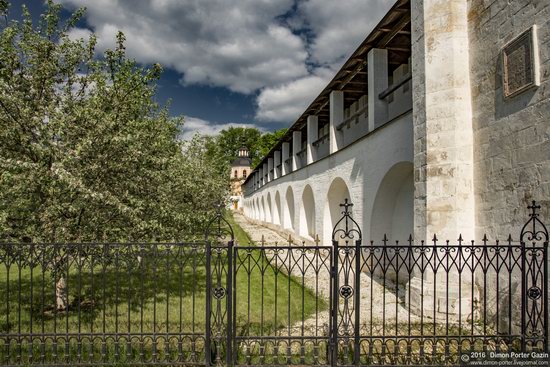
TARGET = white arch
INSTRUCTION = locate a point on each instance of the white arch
(262, 212)
(277, 209)
(288, 215)
(269, 209)
(258, 209)
(393, 208)
(307, 213)
(336, 194)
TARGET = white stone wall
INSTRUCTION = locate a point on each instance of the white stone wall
(511, 136)
(479, 158)
(362, 166)
(444, 199)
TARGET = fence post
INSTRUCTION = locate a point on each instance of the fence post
(534, 297)
(230, 290)
(335, 299)
(347, 229)
(545, 293)
(207, 346)
(357, 304)
(220, 229)
(523, 295)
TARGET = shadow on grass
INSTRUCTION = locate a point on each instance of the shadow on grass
(133, 287)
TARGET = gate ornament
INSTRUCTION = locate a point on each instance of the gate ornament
(346, 227)
(218, 229)
(534, 230)
(347, 266)
(534, 293)
(219, 292)
(534, 247)
(346, 291)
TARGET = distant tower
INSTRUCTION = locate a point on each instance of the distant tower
(240, 168)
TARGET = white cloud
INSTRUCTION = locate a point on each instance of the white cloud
(79, 33)
(229, 43)
(194, 125)
(340, 26)
(287, 102)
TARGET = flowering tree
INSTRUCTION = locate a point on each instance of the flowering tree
(85, 152)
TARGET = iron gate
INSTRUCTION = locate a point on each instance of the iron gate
(216, 302)
(473, 301)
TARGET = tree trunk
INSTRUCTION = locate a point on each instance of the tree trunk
(61, 294)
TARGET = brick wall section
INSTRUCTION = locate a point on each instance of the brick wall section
(511, 137)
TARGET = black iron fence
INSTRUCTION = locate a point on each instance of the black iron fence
(216, 302)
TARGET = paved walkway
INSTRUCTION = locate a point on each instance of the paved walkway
(256, 231)
(378, 303)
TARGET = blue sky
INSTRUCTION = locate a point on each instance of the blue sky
(232, 62)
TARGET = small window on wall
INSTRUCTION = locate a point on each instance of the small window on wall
(236, 173)
(520, 63)
(244, 173)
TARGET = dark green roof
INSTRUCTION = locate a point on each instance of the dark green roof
(241, 161)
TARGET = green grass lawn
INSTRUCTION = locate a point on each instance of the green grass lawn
(268, 300)
(159, 291)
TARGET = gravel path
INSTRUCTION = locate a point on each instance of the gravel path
(378, 303)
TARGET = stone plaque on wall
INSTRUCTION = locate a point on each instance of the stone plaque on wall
(520, 63)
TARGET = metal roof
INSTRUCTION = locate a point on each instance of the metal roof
(241, 161)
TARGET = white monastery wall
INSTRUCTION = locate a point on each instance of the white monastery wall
(511, 135)
(362, 167)
(467, 159)
(444, 199)
(480, 156)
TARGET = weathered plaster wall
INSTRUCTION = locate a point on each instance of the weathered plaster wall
(511, 136)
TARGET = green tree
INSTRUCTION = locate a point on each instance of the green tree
(266, 142)
(85, 152)
(227, 143)
(224, 147)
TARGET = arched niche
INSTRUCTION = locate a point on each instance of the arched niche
(263, 210)
(393, 209)
(277, 209)
(269, 209)
(288, 215)
(337, 193)
(307, 213)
